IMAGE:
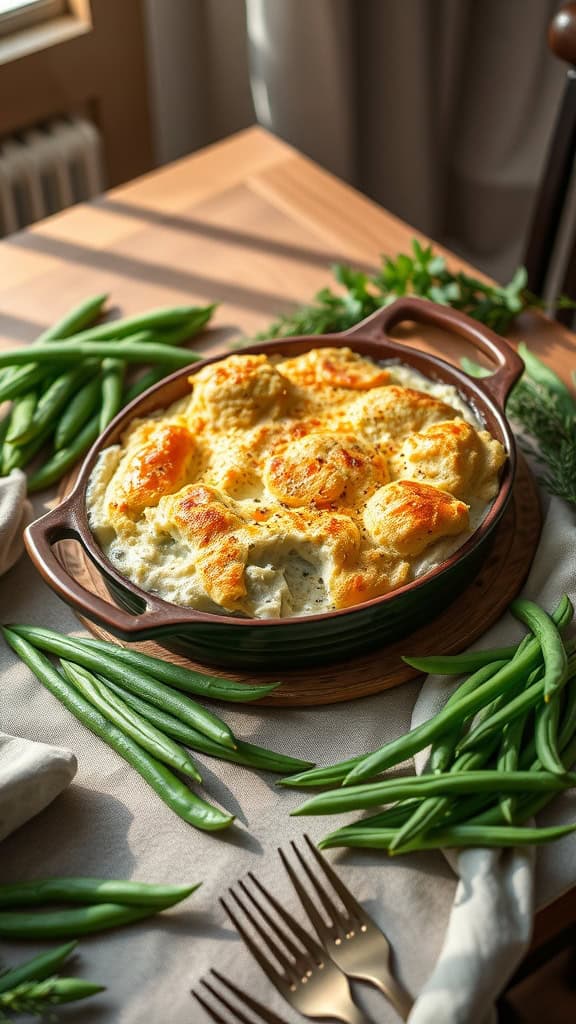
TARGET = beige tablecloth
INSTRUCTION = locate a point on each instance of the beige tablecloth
(109, 823)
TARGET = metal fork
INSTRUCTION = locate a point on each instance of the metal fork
(351, 938)
(258, 1011)
(307, 978)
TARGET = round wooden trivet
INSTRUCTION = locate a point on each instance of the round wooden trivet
(470, 615)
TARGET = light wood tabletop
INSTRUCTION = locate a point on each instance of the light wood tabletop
(248, 222)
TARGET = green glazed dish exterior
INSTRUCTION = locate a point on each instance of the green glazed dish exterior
(271, 644)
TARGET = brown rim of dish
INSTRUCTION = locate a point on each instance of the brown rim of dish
(487, 397)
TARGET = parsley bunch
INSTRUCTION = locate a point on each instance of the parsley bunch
(423, 273)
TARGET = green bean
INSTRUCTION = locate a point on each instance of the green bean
(81, 409)
(168, 319)
(449, 717)
(508, 758)
(459, 664)
(323, 775)
(117, 711)
(22, 414)
(78, 318)
(398, 750)
(458, 836)
(568, 726)
(193, 324)
(174, 336)
(172, 791)
(62, 924)
(443, 751)
(143, 684)
(22, 380)
(553, 652)
(434, 808)
(93, 890)
(4, 427)
(519, 705)
(337, 801)
(52, 401)
(21, 411)
(112, 386)
(39, 967)
(16, 456)
(246, 753)
(173, 675)
(546, 734)
(60, 462)
(63, 352)
(15, 382)
(530, 805)
(147, 380)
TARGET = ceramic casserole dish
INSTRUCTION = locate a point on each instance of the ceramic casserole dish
(228, 641)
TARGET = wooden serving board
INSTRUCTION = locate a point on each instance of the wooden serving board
(470, 615)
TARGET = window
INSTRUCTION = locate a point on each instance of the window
(20, 14)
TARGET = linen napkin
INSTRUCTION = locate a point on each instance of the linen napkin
(15, 514)
(491, 919)
(31, 776)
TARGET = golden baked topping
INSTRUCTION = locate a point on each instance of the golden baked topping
(336, 368)
(323, 469)
(408, 516)
(239, 392)
(452, 456)
(288, 487)
(392, 413)
(158, 461)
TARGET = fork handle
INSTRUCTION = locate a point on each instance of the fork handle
(395, 993)
(351, 1015)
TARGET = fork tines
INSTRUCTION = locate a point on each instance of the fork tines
(235, 1014)
(293, 965)
(339, 922)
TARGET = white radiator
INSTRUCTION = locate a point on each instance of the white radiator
(46, 169)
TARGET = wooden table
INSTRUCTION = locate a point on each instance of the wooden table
(248, 222)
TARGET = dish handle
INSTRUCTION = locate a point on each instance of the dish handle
(60, 524)
(423, 311)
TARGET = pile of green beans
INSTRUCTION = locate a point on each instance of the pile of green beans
(105, 903)
(33, 987)
(139, 706)
(500, 749)
(67, 387)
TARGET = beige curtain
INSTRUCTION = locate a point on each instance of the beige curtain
(441, 110)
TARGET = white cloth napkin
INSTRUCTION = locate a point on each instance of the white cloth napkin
(15, 514)
(491, 920)
(31, 776)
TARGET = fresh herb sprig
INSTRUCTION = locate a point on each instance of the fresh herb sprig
(423, 273)
(546, 410)
(538, 411)
(36, 998)
(34, 987)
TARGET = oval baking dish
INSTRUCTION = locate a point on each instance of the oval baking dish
(329, 636)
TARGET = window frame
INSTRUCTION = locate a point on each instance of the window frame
(32, 12)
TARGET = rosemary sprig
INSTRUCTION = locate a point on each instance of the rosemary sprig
(546, 409)
(422, 273)
(540, 413)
